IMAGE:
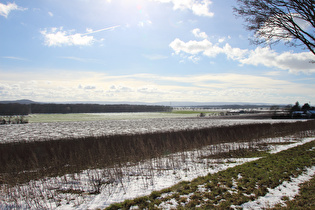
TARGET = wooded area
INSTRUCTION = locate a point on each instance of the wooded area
(25, 109)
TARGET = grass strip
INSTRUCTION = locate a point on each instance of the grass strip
(233, 186)
(305, 200)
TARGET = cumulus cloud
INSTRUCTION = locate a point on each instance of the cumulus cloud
(6, 9)
(190, 47)
(199, 34)
(198, 7)
(294, 62)
(194, 59)
(59, 37)
(223, 39)
(234, 53)
(206, 48)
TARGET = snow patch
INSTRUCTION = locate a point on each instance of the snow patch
(274, 196)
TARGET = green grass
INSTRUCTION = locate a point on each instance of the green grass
(240, 184)
(62, 117)
(305, 199)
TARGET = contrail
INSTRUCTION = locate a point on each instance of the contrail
(104, 29)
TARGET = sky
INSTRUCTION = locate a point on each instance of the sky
(144, 51)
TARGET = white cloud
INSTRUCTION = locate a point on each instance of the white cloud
(191, 47)
(89, 87)
(234, 53)
(202, 8)
(51, 14)
(95, 86)
(199, 34)
(89, 30)
(194, 59)
(6, 9)
(119, 89)
(198, 7)
(206, 48)
(273, 73)
(58, 37)
(151, 89)
(294, 62)
(223, 39)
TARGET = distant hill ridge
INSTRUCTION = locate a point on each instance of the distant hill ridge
(22, 101)
(171, 103)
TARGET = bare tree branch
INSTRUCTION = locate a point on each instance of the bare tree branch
(272, 21)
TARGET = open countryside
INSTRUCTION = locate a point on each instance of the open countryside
(152, 162)
(157, 104)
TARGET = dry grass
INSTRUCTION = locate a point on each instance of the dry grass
(24, 161)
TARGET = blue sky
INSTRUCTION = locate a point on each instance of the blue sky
(143, 51)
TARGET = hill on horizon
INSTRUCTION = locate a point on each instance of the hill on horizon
(171, 103)
(22, 101)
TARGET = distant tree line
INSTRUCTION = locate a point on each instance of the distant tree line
(25, 109)
(14, 109)
(295, 111)
(298, 107)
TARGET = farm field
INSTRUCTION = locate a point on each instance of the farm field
(56, 126)
(258, 183)
(173, 181)
(38, 118)
(113, 160)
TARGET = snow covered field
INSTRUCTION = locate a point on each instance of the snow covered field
(98, 188)
(57, 130)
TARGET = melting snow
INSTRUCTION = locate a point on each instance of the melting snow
(288, 189)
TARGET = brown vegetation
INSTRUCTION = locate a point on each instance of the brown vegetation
(24, 161)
